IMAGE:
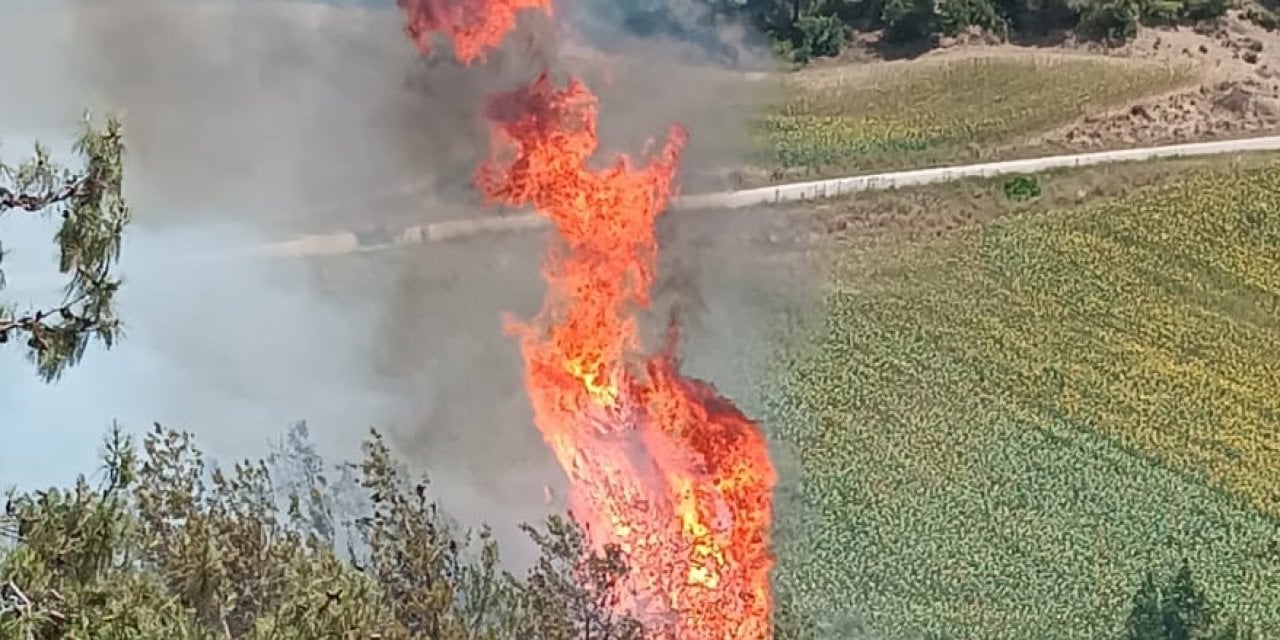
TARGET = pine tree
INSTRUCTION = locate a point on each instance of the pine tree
(94, 214)
(1177, 609)
(1185, 613)
(1145, 618)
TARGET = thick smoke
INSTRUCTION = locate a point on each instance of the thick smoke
(253, 121)
(301, 114)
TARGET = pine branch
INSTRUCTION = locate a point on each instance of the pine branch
(93, 212)
(13, 601)
(9, 528)
(36, 324)
(37, 202)
(57, 336)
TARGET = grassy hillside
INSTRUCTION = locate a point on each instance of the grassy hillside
(998, 434)
(900, 115)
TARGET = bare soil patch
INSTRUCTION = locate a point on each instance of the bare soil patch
(1233, 87)
(1238, 93)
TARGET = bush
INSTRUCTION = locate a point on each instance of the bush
(1022, 188)
(955, 16)
(1263, 18)
(1162, 11)
(819, 36)
(1114, 20)
(1177, 608)
(1173, 11)
(908, 20)
(1195, 10)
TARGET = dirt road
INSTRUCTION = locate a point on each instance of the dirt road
(351, 242)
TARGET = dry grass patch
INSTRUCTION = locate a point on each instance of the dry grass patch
(936, 112)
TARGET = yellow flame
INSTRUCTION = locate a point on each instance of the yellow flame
(704, 577)
(604, 394)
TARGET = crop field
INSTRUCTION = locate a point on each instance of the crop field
(998, 433)
(895, 117)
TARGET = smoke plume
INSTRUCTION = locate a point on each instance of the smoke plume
(248, 122)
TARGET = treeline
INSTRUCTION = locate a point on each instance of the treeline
(803, 29)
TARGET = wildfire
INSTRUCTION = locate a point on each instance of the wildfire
(658, 463)
(475, 26)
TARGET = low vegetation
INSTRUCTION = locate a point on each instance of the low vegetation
(1176, 299)
(1021, 188)
(927, 213)
(943, 112)
(997, 431)
(168, 546)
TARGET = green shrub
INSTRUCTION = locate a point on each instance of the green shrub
(783, 49)
(812, 36)
(1263, 18)
(1022, 188)
(1115, 20)
(908, 20)
(1204, 9)
(1165, 12)
(955, 16)
(820, 36)
(1162, 11)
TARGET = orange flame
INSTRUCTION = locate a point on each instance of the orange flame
(658, 463)
(474, 26)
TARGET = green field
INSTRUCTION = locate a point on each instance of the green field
(998, 433)
(892, 116)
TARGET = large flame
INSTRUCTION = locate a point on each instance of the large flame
(659, 464)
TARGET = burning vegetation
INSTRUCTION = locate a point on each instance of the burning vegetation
(660, 464)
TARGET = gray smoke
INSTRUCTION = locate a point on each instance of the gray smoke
(251, 121)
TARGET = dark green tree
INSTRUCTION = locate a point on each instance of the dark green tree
(1177, 609)
(908, 20)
